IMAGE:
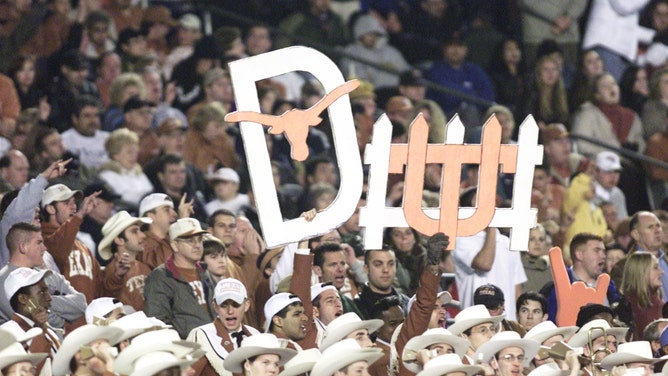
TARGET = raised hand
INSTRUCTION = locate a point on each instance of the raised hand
(89, 203)
(186, 208)
(56, 169)
(570, 297)
(437, 244)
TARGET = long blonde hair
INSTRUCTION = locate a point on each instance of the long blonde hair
(634, 280)
(552, 101)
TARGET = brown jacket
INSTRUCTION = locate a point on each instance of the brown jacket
(203, 153)
(156, 250)
(129, 288)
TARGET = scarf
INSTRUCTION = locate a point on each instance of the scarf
(621, 119)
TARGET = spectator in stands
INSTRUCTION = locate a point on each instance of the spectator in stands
(53, 33)
(70, 84)
(159, 208)
(331, 266)
(85, 139)
(138, 117)
(188, 32)
(225, 185)
(124, 275)
(217, 86)
(642, 287)
(380, 267)
(507, 72)
(97, 35)
(173, 178)
(178, 292)
(455, 72)
(124, 15)
(23, 72)
(589, 66)
(534, 261)
(634, 88)
(14, 167)
(545, 97)
(90, 232)
(208, 146)
(603, 118)
(122, 88)
(161, 96)
(61, 220)
(606, 176)
(316, 26)
(123, 173)
(371, 44)
(655, 109)
(411, 257)
(108, 68)
(132, 48)
(188, 74)
(531, 309)
(157, 23)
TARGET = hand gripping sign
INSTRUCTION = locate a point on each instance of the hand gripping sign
(383, 158)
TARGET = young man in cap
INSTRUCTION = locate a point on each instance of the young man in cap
(60, 223)
(217, 88)
(606, 176)
(493, 299)
(125, 276)
(507, 353)
(178, 291)
(159, 208)
(29, 297)
(27, 250)
(326, 307)
(225, 184)
(286, 318)
(476, 325)
(226, 332)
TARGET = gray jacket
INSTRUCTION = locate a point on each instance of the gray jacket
(168, 297)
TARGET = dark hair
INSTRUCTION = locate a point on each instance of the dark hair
(580, 240)
(84, 100)
(14, 300)
(18, 233)
(212, 217)
(212, 248)
(531, 295)
(97, 16)
(283, 313)
(383, 305)
(312, 163)
(319, 252)
(41, 133)
(168, 159)
(367, 254)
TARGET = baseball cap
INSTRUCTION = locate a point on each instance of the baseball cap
(551, 132)
(212, 75)
(489, 295)
(59, 192)
(591, 311)
(74, 60)
(411, 78)
(126, 35)
(190, 21)
(101, 307)
(319, 288)
(608, 161)
(153, 201)
(230, 288)
(135, 103)
(275, 304)
(224, 174)
(185, 227)
(106, 193)
(22, 277)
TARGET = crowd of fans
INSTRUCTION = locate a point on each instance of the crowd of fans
(130, 241)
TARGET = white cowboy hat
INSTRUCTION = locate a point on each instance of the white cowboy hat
(16, 333)
(15, 353)
(137, 323)
(448, 363)
(82, 335)
(258, 344)
(302, 363)
(587, 331)
(156, 361)
(472, 316)
(114, 227)
(343, 354)
(155, 340)
(345, 324)
(549, 369)
(547, 329)
(505, 339)
(428, 338)
(631, 352)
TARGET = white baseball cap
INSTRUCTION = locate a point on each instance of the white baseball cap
(224, 174)
(153, 201)
(275, 304)
(101, 307)
(230, 288)
(22, 277)
(185, 227)
(608, 161)
(319, 288)
(59, 192)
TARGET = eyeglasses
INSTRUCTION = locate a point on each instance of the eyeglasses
(512, 358)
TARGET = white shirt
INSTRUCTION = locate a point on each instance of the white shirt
(233, 205)
(90, 150)
(506, 272)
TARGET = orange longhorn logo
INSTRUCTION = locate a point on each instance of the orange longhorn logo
(295, 123)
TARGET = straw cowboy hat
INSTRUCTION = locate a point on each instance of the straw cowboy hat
(302, 363)
(581, 338)
(114, 227)
(547, 329)
(631, 352)
(549, 369)
(428, 338)
(164, 340)
(258, 344)
(156, 361)
(343, 354)
(345, 324)
(472, 316)
(15, 353)
(11, 332)
(137, 323)
(82, 335)
(502, 340)
(447, 363)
